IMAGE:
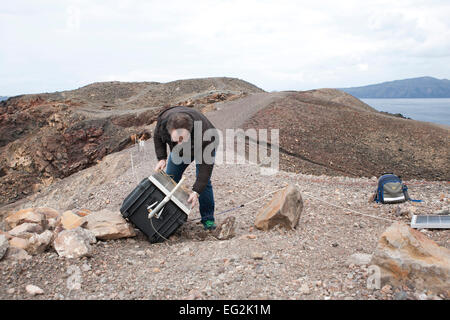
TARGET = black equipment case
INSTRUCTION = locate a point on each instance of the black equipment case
(150, 190)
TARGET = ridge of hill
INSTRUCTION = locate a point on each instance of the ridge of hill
(422, 87)
(49, 136)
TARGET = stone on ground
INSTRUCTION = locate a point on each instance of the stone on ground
(407, 256)
(16, 254)
(33, 290)
(25, 215)
(5, 234)
(71, 220)
(24, 228)
(226, 229)
(304, 289)
(257, 255)
(284, 209)
(18, 242)
(38, 243)
(74, 243)
(109, 225)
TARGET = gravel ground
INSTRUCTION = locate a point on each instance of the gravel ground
(306, 263)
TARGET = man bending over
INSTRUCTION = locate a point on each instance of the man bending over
(177, 126)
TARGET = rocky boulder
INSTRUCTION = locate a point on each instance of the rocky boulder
(25, 228)
(75, 243)
(284, 209)
(30, 229)
(20, 243)
(71, 220)
(5, 234)
(29, 215)
(17, 254)
(38, 243)
(407, 256)
(108, 225)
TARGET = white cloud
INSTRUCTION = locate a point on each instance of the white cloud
(278, 45)
(362, 67)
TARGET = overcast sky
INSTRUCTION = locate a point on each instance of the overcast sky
(277, 45)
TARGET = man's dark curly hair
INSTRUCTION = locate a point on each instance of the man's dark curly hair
(178, 121)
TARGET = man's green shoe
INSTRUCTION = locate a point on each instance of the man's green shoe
(209, 225)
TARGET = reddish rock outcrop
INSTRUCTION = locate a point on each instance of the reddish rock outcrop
(43, 140)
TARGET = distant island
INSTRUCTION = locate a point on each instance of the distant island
(423, 87)
(3, 98)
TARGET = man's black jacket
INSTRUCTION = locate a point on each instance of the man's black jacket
(162, 137)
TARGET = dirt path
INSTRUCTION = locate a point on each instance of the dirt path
(233, 114)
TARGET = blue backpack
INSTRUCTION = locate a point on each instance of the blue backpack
(391, 189)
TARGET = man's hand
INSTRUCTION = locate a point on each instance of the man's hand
(193, 199)
(160, 165)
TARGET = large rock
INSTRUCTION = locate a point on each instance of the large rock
(407, 256)
(4, 245)
(71, 220)
(25, 215)
(38, 243)
(17, 254)
(25, 228)
(30, 237)
(75, 243)
(5, 234)
(284, 209)
(108, 225)
(20, 243)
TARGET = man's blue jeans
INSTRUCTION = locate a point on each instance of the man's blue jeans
(205, 199)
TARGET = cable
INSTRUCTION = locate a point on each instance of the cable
(151, 222)
(363, 214)
(303, 193)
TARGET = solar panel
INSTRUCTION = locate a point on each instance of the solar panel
(430, 222)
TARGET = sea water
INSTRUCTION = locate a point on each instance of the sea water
(432, 110)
